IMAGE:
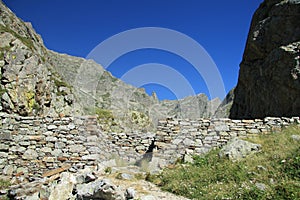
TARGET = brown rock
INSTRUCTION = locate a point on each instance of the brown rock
(57, 170)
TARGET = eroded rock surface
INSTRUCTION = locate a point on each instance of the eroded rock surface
(269, 78)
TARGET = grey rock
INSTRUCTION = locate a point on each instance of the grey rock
(269, 78)
(91, 157)
(51, 139)
(3, 154)
(52, 127)
(85, 178)
(130, 193)
(99, 189)
(237, 149)
(125, 176)
(296, 137)
(4, 147)
(35, 196)
(30, 154)
(76, 148)
(147, 197)
(64, 189)
(261, 186)
(9, 170)
(56, 152)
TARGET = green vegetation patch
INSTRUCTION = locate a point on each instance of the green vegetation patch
(274, 173)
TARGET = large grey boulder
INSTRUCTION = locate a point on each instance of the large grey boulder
(63, 190)
(237, 149)
(269, 77)
(99, 189)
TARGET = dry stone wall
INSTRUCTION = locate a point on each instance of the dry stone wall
(35, 146)
(176, 138)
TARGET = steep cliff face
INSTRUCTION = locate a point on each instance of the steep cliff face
(269, 78)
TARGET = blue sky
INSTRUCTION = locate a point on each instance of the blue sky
(77, 27)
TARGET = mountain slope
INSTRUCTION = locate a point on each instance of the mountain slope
(38, 81)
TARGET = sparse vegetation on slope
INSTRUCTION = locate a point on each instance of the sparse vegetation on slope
(274, 173)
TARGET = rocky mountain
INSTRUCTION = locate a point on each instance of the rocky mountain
(38, 81)
(29, 84)
(223, 110)
(269, 78)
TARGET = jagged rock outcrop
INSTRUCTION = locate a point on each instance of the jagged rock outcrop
(29, 84)
(223, 110)
(269, 78)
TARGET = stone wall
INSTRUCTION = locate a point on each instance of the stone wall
(176, 138)
(31, 146)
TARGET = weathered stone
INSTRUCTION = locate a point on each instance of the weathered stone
(296, 137)
(237, 149)
(99, 189)
(85, 178)
(91, 157)
(64, 189)
(46, 150)
(51, 127)
(76, 148)
(269, 75)
(30, 154)
(130, 193)
(4, 147)
(8, 170)
(51, 139)
(56, 171)
(56, 152)
(125, 176)
(48, 159)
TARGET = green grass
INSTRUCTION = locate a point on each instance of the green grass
(4, 184)
(277, 166)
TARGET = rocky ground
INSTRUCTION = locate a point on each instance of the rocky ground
(109, 183)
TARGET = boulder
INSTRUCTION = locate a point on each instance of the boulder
(63, 190)
(237, 149)
(99, 189)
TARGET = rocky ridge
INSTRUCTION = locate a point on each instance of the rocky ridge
(29, 85)
(269, 78)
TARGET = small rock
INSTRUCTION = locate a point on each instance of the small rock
(85, 178)
(130, 193)
(51, 127)
(261, 186)
(125, 176)
(4, 147)
(35, 196)
(30, 154)
(8, 170)
(148, 197)
(296, 137)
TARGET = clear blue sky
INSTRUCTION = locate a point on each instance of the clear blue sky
(76, 27)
